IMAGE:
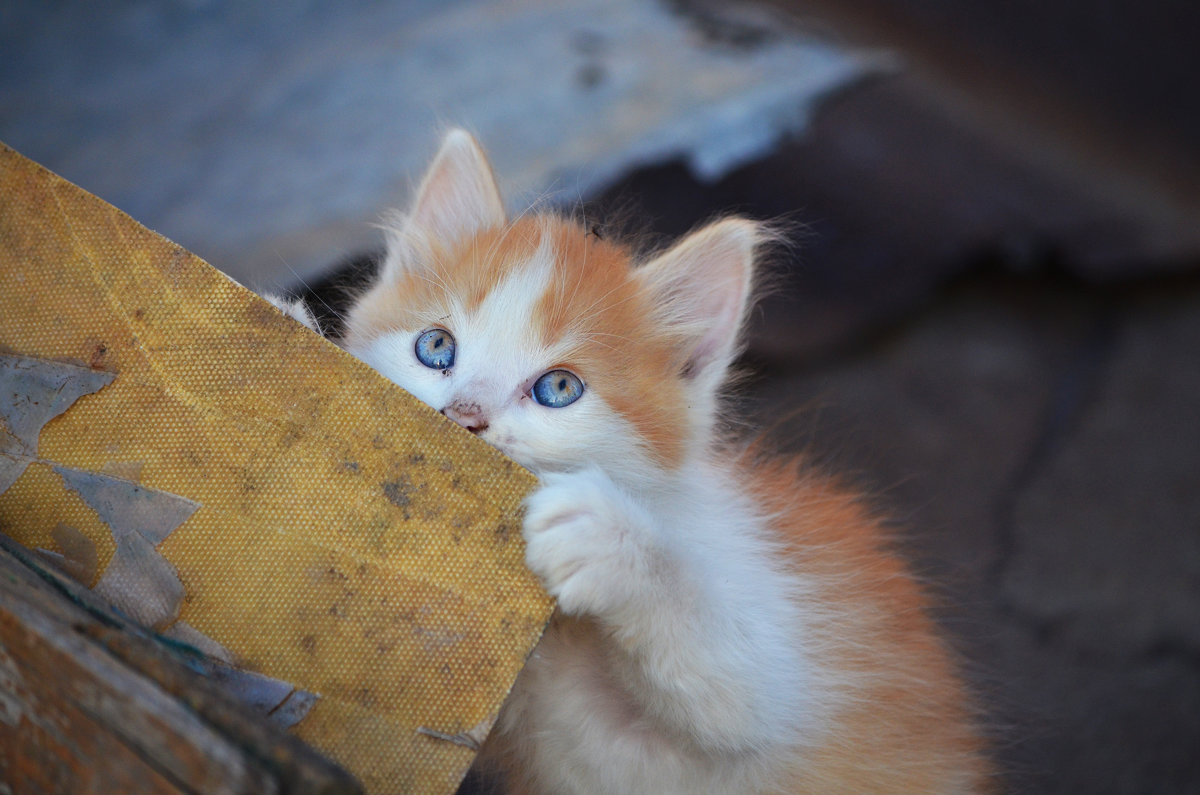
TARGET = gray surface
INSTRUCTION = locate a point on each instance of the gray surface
(1035, 443)
(267, 137)
(128, 507)
(1115, 512)
(33, 392)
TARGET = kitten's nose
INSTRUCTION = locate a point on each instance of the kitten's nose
(467, 414)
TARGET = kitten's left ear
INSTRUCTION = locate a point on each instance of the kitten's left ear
(702, 286)
(457, 199)
(458, 196)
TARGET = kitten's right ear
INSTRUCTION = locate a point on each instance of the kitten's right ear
(458, 198)
(701, 287)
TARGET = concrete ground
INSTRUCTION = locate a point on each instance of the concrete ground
(1036, 442)
(952, 330)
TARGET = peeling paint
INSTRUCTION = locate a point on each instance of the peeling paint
(260, 693)
(183, 632)
(471, 738)
(33, 392)
(128, 507)
(138, 582)
(141, 583)
(293, 709)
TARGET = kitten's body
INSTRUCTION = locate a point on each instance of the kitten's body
(725, 623)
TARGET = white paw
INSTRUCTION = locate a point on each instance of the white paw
(294, 308)
(589, 544)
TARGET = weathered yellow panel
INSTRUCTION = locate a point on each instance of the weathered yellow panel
(349, 540)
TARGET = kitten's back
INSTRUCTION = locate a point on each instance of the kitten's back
(903, 724)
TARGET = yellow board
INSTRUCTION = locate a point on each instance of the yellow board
(348, 540)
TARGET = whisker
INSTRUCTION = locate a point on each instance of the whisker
(308, 287)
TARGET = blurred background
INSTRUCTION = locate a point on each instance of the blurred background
(991, 318)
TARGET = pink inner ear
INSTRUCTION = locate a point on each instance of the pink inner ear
(718, 341)
(458, 196)
(703, 283)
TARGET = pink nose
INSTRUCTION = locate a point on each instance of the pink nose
(467, 414)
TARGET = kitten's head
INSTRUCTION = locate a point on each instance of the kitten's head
(547, 342)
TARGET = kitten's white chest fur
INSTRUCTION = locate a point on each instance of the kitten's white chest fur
(673, 674)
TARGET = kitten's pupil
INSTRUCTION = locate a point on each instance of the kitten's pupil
(435, 349)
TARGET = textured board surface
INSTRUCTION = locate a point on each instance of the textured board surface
(347, 540)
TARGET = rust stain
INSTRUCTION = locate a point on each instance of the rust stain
(99, 356)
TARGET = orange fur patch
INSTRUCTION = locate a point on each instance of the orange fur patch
(592, 302)
(907, 726)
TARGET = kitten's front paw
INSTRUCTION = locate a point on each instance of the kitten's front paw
(587, 541)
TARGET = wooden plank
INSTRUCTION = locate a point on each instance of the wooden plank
(89, 704)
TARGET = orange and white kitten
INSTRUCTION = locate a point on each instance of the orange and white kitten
(726, 622)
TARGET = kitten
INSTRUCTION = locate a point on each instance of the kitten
(726, 622)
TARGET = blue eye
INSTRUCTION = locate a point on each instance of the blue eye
(435, 348)
(557, 388)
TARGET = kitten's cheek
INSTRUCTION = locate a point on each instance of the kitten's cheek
(509, 445)
(501, 442)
